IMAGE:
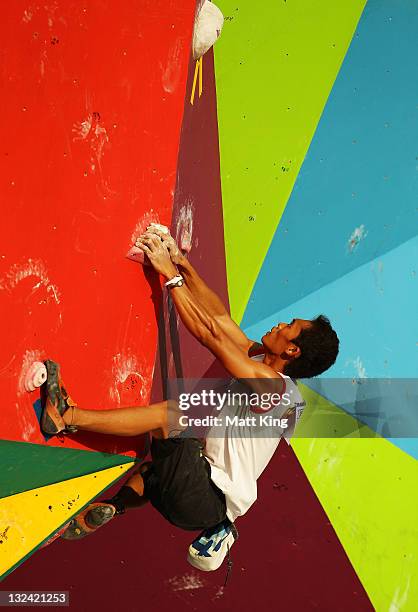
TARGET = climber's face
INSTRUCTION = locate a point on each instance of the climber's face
(279, 340)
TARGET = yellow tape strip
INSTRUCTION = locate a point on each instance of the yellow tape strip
(198, 72)
(201, 77)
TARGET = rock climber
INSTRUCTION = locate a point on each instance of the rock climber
(201, 484)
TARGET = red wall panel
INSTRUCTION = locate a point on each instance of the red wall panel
(93, 96)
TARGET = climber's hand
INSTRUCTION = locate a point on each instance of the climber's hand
(157, 253)
(172, 246)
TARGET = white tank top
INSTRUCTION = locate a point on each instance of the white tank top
(238, 454)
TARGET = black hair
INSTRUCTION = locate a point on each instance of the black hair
(319, 349)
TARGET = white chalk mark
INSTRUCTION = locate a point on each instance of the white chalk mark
(219, 593)
(125, 339)
(358, 366)
(172, 71)
(28, 358)
(7, 365)
(187, 582)
(82, 129)
(92, 131)
(26, 427)
(400, 598)
(123, 366)
(184, 227)
(356, 237)
(126, 364)
(53, 290)
(27, 15)
(32, 267)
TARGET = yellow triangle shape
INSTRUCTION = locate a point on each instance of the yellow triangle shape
(27, 519)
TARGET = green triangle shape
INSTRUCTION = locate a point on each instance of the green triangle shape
(367, 487)
(28, 466)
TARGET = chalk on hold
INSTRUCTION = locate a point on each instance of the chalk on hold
(207, 28)
(163, 228)
(136, 254)
(35, 376)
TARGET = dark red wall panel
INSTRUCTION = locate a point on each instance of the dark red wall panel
(197, 205)
(288, 558)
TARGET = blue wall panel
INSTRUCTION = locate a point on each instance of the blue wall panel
(356, 196)
(374, 311)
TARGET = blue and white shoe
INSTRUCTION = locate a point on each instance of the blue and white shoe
(210, 548)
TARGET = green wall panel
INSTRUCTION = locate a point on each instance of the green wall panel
(30, 466)
(369, 489)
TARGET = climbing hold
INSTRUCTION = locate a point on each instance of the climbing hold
(207, 28)
(136, 254)
(162, 228)
(35, 376)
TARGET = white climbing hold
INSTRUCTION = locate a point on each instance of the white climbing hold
(35, 376)
(207, 28)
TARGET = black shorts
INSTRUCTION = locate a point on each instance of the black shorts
(179, 486)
